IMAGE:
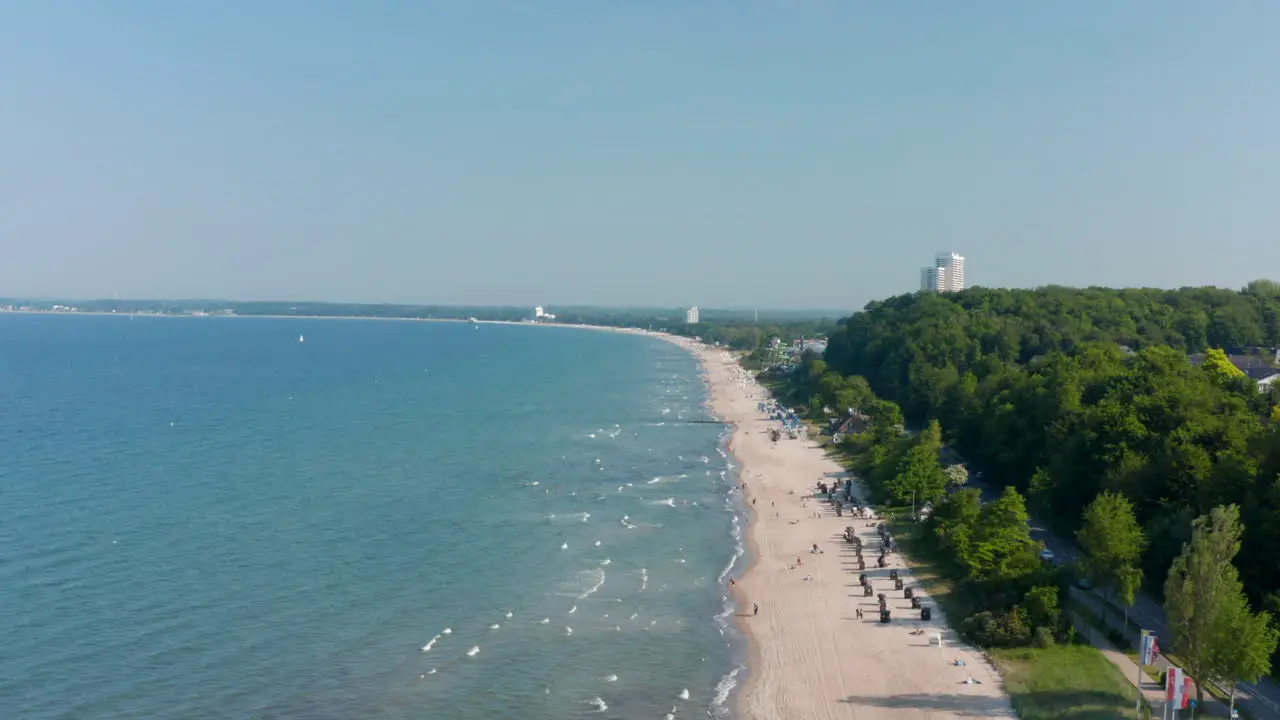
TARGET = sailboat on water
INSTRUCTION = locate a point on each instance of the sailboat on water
(301, 339)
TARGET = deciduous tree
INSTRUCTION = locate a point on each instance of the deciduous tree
(920, 476)
(1206, 606)
(1254, 638)
(1112, 542)
(1217, 366)
(1001, 547)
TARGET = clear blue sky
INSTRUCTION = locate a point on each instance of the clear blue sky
(785, 153)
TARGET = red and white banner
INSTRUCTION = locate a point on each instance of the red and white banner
(1177, 688)
(1150, 648)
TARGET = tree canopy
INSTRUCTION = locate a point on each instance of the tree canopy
(1112, 542)
(1067, 393)
(1218, 636)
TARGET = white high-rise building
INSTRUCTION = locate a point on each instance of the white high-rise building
(954, 264)
(933, 279)
(691, 316)
(946, 275)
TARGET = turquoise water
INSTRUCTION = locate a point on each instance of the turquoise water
(206, 518)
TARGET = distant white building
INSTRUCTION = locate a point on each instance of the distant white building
(946, 275)
(691, 316)
(540, 315)
(933, 279)
(537, 312)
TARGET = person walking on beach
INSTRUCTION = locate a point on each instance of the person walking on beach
(755, 608)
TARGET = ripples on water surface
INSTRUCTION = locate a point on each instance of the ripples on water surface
(206, 518)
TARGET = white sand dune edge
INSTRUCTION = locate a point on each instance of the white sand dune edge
(810, 656)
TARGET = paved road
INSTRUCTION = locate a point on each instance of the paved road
(1263, 699)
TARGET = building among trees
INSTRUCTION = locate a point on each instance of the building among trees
(946, 275)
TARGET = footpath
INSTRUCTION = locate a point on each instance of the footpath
(1152, 690)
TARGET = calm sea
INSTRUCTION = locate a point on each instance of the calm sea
(211, 518)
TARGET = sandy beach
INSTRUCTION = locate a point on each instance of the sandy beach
(811, 656)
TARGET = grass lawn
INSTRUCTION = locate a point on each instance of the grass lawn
(1068, 682)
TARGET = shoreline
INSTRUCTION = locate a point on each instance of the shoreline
(808, 655)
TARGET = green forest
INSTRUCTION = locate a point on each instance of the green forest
(1085, 406)
(1064, 393)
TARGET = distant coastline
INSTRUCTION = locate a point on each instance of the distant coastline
(747, 330)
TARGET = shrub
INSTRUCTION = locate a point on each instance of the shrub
(1041, 604)
(1044, 637)
(1000, 629)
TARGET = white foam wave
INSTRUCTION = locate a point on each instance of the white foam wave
(738, 550)
(475, 650)
(596, 586)
(573, 609)
(598, 703)
(447, 631)
(723, 688)
(644, 579)
(684, 694)
(722, 617)
(611, 678)
(430, 644)
(494, 626)
(606, 561)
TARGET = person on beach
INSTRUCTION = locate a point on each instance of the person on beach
(755, 608)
